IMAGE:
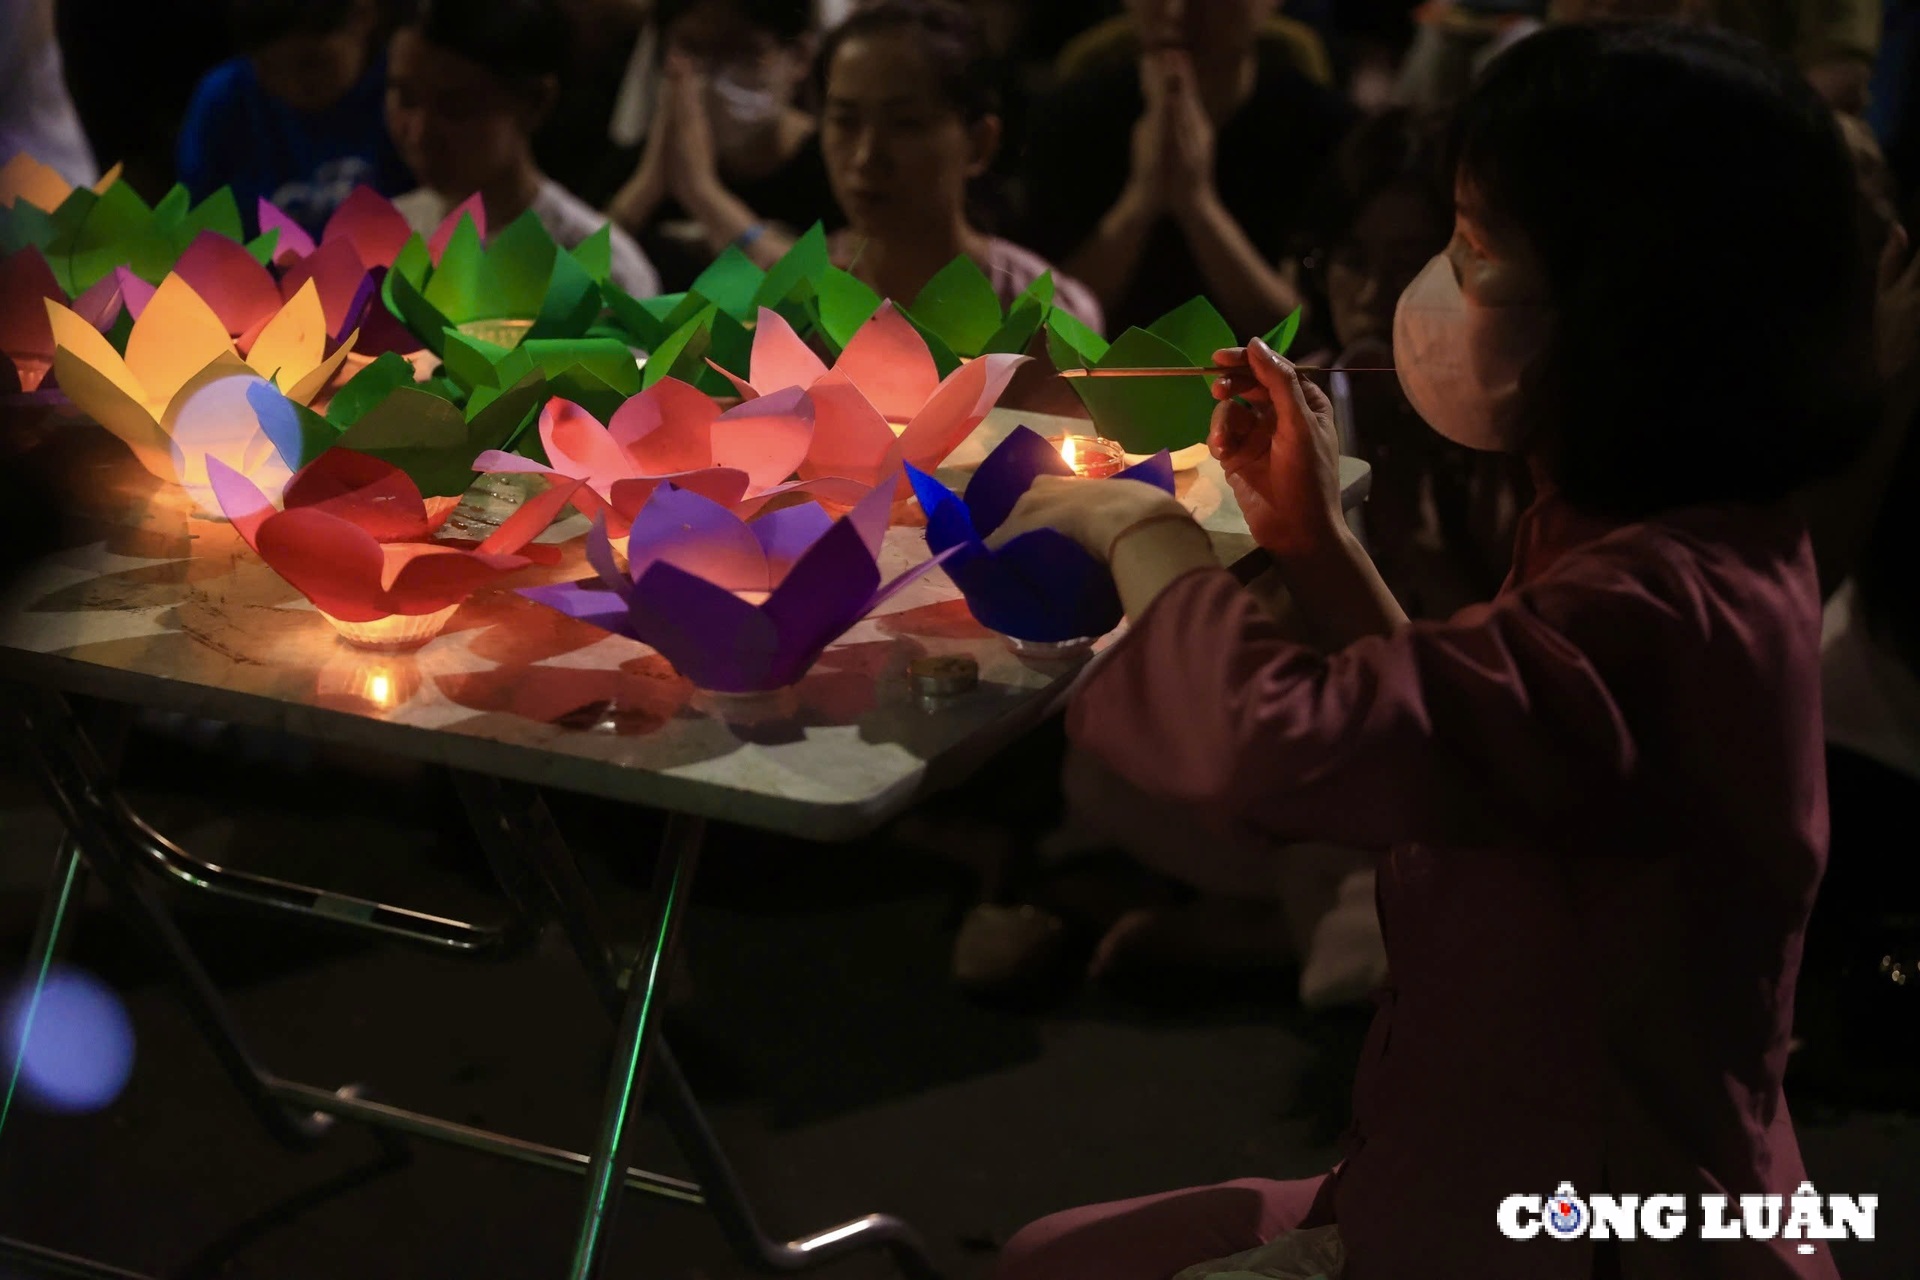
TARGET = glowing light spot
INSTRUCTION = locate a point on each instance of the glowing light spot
(78, 1042)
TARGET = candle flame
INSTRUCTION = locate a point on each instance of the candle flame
(1070, 450)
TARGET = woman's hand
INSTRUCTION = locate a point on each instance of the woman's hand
(1189, 134)
(694, 174)
(1091, 512)
(634, 205)
(1147, 180)
(1280, 450)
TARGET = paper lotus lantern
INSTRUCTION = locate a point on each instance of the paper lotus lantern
(735, 607)
(1041, 587)
(883, 402)
(26, 286)
(960, 308)
(739, 460)
(182, 393)
(356, 539)
(520, 285)
(25, 178)
(1147, 414)
(370, 223)
(246, 296)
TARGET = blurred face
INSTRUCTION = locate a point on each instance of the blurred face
(752, 74)
(1226, 27)
(312, 72)
(458, 126)
(899, 157)
(1396, 234)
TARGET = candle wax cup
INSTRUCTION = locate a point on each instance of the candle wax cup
(396, 631)
(1091, 456)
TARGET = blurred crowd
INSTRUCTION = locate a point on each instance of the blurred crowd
(1142, 151)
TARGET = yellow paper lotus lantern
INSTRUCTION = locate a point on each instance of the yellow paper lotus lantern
(40, 185)
(182, 393)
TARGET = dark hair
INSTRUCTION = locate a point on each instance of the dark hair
(1884, 574)
(521, 41)
(787, 20)
(1695, 209)
(951, 37)
(254, 24)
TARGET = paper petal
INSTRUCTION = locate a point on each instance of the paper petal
(1007, 473)
(889, 361)
(824, 593)
(294, 242)
(786, 534)
(1041, 586)
(337, 272)
(711, 636)
(175, 337)
(724, 486)
(332, 562)
(213, 417)
(665, 429)
(871, 515)
(529, 521)
(294, 340)
(850, 438)
(948, 521)
(578, 446)
(26, 282)
(363, 490)
(780, 358)
(472, 207)
(422, 578)
(768, 438)
(589, 601)
(699, 535)
(241, 500)
(224, 274)
(92, 375)
(369, 222)
(960, 404)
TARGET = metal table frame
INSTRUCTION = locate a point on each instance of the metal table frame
(543, 886)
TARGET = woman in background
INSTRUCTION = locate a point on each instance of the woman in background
(468, 84)
(729, 152)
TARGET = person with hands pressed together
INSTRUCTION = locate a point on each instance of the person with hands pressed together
(1201, 195)
(728, 149)
(1602, 795)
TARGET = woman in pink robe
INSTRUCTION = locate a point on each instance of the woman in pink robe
(1603, 791)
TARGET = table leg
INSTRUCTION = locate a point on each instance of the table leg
(672, 883)
(515, 827)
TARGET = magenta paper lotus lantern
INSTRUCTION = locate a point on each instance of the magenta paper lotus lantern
(355, 538)
(736, 607)
(672, 433)
(369, 223)
(883, 401)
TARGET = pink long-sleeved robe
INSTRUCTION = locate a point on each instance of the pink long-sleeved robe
(1605, 800)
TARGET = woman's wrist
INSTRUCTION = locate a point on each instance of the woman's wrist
(1154, 553)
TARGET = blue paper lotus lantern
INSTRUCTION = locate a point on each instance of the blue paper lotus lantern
(1040, 588)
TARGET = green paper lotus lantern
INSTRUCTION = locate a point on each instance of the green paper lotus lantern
(1149, 414)
(90, 233)
(520, 286)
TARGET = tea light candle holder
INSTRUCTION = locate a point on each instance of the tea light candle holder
(1091, 456)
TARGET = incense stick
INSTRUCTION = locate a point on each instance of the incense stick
(1211, 371)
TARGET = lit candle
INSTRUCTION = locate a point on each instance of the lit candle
(1091, 456)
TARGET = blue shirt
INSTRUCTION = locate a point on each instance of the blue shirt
(236, 134)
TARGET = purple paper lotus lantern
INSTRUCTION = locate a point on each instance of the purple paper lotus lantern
(1041, 588)
(736, 607)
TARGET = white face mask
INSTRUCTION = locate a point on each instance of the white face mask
(739, 110)
(1460, 362)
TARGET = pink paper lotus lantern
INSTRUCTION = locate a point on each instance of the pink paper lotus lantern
(736, 607)
(671, 432)
(367, 222)
(355, 538)
(883, 402)
(182, 394)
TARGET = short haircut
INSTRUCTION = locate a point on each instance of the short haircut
(949, 34)
(521, 41)
(1697, 214)
(255, 24)
(786, 20)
